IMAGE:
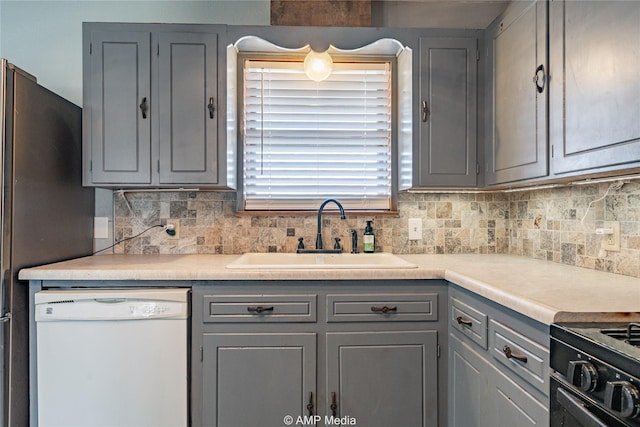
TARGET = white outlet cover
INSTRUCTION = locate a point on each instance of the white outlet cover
(415, 228)
(611, 242)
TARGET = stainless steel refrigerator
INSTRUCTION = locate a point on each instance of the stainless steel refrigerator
(47, 215)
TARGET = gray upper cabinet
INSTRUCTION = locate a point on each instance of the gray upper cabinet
(151, 106)
(117, 95)
(448, 112)
(516, 119)
(594, 107)
(187, 97)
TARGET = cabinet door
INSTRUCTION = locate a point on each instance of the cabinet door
(468, 405)
(187, 107)
(448, 102)
(516, 147)
(383, 378)
(257, 379)
(511, 405)
(594, 108)
(118, 101)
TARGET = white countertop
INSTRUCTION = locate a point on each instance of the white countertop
(541, 290)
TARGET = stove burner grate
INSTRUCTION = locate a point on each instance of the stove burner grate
(629, 334)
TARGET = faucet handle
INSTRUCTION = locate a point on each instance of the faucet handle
(336, 245)
(354, 241)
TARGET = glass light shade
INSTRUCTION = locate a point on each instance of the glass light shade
(318, 66)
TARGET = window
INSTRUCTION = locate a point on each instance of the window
(302, 142)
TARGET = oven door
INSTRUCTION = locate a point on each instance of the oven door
(570, 408)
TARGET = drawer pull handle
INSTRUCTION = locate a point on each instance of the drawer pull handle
(334, 405)
(259, 309)
(384, 309)
(463, 321)
(425, 110)
(211, 108)
(143, 107)
(310, 404)
(511, 355)
(539, 77)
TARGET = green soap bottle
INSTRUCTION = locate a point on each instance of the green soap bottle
(369, 240)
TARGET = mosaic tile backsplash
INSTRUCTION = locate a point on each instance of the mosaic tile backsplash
(554, 224)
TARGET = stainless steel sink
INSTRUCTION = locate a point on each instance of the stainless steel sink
(288, 261)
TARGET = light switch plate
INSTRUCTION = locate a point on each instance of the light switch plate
(415, 228)
(101, 227)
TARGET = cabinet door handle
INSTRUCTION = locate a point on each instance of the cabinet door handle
(211, 108)
(334, 405)
(425, 110)
(383, 309)
(511, 355)
(259, 309)
(143, 107)
(538, 77)
(463, 321)
(310, 404)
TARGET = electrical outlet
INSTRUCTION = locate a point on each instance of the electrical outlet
(415, 228)
(175, 225)
(611, 242)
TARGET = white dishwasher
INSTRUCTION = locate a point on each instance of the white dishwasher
(112, 358)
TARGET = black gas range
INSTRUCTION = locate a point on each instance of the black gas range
(595, 378)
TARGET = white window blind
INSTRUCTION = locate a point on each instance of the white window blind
(306, 141)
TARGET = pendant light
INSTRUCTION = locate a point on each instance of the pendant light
(318, 65)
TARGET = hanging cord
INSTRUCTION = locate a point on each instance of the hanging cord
(614, 186)
(129, 238)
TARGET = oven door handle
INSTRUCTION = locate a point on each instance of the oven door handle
(578, 410)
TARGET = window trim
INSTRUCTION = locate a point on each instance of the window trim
(390, 49)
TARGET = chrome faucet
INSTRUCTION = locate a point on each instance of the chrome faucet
(342, 216)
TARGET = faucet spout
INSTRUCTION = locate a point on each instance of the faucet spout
(319, 234)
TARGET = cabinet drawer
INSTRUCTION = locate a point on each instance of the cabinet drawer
(470, 322)
(382, 307)
(520, 355)
(259, 308)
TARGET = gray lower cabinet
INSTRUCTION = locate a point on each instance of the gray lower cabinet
(511, 404)
(383, 378)
(594, 85)
(468, 372)
(498, 365)
(255, 379)
(517, 88)
(259, 350)
(150, 105)
(448, 112)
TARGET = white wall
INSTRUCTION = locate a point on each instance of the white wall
(45, 37)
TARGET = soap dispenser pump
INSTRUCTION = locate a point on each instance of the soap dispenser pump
(369, 239)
